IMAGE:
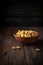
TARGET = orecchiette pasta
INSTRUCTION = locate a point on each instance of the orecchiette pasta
(26, 33)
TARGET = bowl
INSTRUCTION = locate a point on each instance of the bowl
(26, 40)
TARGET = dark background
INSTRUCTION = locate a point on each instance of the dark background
(21, 13)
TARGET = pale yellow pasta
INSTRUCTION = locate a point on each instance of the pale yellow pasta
(26, 33)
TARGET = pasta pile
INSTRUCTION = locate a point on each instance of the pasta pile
(26, 33)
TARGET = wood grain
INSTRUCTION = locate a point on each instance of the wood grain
(24, 56)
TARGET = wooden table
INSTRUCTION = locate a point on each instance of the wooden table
(27, 55)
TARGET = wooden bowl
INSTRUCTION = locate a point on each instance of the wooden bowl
(26, 40)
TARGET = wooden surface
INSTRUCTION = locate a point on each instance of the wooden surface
(27, 55)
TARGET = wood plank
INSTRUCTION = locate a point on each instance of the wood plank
(28, 55)
(4, 59)
(16, 57)
(37, 56)
(32, 56)
(5, 44)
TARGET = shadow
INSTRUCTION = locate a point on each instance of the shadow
(37, 43)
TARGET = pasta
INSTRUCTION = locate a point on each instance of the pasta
(26, 33)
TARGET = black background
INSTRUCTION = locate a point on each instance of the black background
(21, 13)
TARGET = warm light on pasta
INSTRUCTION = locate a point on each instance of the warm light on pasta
(26, 33)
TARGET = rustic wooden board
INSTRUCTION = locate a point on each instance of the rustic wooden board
(24, 56)
(34, 57)
(16, 56)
